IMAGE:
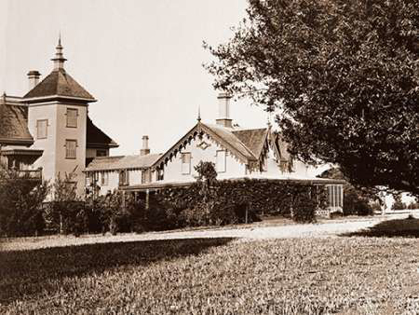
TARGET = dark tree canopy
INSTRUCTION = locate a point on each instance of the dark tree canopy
(344, 76)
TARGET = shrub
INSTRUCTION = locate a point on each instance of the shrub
(212, 202)
(356, 204)
(304, 210)
(21, 205)
(413, 205)
(398, 203)
(66, 213)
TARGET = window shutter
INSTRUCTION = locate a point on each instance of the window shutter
(72, 115)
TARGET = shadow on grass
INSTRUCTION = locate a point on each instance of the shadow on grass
(392, 228)
(27, 273)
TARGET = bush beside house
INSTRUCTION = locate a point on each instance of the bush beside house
(206, 202)
(212, 202)
(21, 206)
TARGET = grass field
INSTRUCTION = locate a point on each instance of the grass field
(345, 275)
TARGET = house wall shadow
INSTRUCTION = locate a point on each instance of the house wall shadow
(27, 273)
(408, 227)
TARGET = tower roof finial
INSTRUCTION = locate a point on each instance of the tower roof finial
(59, 56)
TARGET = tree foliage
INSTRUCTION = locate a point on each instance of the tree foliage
(21, 211)
(347, 70)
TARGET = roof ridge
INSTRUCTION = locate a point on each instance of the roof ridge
(139, 155)
(247, 129)
(241, 142)
(109, 157)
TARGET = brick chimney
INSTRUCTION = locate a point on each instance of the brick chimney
(224, 110)
(145, 149)
(33, 77)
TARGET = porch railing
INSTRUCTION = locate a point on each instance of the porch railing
(30, 174)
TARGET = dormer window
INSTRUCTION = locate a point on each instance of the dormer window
(101, 153)
(186, 163)
(72, 115)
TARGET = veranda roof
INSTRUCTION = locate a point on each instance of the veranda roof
(111, 163)
(292, 179)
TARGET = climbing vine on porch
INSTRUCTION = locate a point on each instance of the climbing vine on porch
(213, 202)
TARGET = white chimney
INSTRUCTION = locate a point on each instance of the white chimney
(224, 110)
(145, 149)
(33, 77)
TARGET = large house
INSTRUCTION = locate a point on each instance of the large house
(48, 132)
(237, 153)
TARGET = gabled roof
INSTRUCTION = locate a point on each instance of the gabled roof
(59, 84)
(229, 139)
(14, 123)
(253, 139)
(280, 147)
(110, 163)
(96, 138)
(244, 144)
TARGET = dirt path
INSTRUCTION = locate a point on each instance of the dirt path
(255, 231)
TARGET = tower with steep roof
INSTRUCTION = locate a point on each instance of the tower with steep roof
(57, 120)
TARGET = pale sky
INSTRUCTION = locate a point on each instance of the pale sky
(141, 59)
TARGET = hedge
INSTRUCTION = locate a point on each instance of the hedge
(205, 202)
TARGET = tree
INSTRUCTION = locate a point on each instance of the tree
(66, 212)
(21, 207)
(344, 77)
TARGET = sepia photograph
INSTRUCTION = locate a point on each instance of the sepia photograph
(209, 157)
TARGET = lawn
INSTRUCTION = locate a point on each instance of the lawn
(392, 228)
(346, 275)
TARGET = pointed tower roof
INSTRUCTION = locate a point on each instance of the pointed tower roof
(58, 84)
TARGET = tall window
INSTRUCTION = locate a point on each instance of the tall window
(160, 174)
(104, 179)
(335, 194)
(72, 114)
(41, 128)
(123, 178)
(221, 161)
(186, 163)
(145, 176)
(71, 149)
